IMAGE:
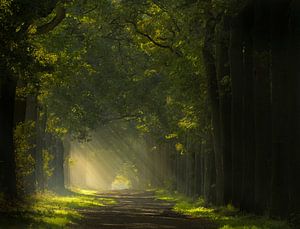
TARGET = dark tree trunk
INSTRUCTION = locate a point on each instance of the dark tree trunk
(213, 93)
(198, 171)
(223, 77)
(56, 148)
(280, 108)
(7, 151)
(237, 112)
(20, 107)
(294, 73)
(249, 138)
(262, 104)
(209, 185)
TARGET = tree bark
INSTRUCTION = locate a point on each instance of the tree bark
(7, 151)
(213, 92)
(262, 104)
(294, 63)
(223, 77)
(280, 108)
(247, 202)
(237, 106)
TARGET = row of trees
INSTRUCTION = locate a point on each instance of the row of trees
(212, 86)
(19, 87)
(247, 155)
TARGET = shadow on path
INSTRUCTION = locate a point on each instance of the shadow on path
(137, 210)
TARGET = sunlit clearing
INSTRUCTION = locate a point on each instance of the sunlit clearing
(48, 210)
(114, 158)
(120, 183)
(60, 210)
(84, 191)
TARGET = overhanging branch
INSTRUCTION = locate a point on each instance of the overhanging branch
(59, 17)
(158, 44)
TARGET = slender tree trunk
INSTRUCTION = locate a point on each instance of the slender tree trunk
(223, 77)
(262, 103)
(249, 138)
(67, 147)
(280, 108)
(198, 171)
(208, 180)
(58, 165)
(237, 112)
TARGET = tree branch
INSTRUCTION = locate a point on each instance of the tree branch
(91, 10)
(59, 17)
(154, 41)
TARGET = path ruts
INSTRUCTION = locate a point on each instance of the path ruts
(137, 210)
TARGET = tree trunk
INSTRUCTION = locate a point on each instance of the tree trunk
(294, 63)
(67, 147)
(280, 108)
(223, 77)
(262, 104)
(20, 106)
(247, 202)
(237, 112)
(7, 151)
(213, 92)
(58, 178)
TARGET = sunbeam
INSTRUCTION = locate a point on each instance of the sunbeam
(112, 159)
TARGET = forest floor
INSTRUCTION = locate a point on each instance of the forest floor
(126, 209)
(226, 217)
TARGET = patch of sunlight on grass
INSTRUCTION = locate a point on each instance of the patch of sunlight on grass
(84, 191)
(226, 217)
(50, 221)
(164, 195)
(48, 210)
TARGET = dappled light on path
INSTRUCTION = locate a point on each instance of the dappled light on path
(138, 210)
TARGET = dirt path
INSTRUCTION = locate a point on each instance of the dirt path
(137, 210)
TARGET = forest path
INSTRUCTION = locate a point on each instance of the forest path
(137, 210)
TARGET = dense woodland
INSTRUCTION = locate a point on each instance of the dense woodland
(211, 86)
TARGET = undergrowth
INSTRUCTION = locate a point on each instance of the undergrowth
(226, 217)
(47, 210)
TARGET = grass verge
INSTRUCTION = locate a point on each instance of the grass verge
(48, 210)
(226, 217)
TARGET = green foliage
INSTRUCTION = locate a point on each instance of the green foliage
(136, 60)
(226, 217)
(24, 133)
(47, 159)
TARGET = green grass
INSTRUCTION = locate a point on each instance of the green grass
(49, 210)
(225, 217)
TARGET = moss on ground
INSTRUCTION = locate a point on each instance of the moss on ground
(226, 217)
